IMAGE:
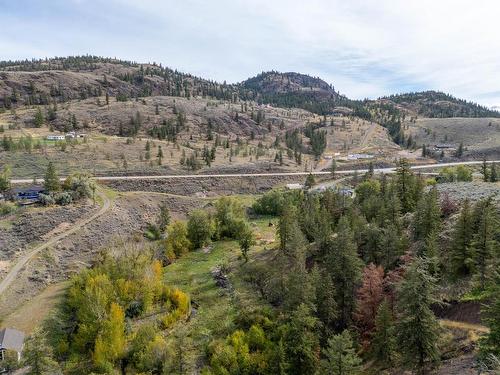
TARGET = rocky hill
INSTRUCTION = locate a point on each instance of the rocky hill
(294, 90)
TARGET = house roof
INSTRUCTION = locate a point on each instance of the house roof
(11, 339)
(28, 188)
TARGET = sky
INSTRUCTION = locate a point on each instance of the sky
(365, 48)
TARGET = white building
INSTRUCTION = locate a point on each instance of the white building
(55, 137)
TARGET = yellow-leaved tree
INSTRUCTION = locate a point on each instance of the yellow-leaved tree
(111, 340)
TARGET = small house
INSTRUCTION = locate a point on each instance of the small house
(359, 156)
(444, 146)
(11, 340)
(294, 186)
(55, 137)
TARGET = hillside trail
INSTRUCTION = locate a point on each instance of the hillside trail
(21, 262)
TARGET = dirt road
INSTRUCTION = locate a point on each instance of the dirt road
(21, 262)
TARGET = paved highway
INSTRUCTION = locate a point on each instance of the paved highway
(229, 175)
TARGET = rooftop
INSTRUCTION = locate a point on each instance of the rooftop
(11, 339)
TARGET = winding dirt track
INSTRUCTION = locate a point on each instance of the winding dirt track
(21, 262)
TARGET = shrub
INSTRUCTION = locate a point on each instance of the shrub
(80, 185)
(152, 232)
(200, 229)
(177, 242)
(229, 217)
(7, 208)
(46, 199)
(64, 198)
(270, 203)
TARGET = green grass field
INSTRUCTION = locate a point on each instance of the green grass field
(216, 308)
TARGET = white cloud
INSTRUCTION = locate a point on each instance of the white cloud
(365, 48)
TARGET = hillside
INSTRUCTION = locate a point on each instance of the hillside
(81, 77)
(438, 104)
(129, 99)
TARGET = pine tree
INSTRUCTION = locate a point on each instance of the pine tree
(405, 185)
(340, 356)
(428, 215)
(287, 225)
(383, 345)
(159, 155)
(37, 354)
(484, 171)
(39, 119)
(51, 180)
(424, 151)
(333, 168)
(310, 181)
(484, 245)
(326, 306)
(344, 265)
(491, 312)
(302, 343)
(493, 173)
(417, 328)
(461, 240)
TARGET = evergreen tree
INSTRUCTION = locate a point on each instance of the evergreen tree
(340, 356)
(51, 180)
(333, 168)
(344, 265)
(326, 306)
(37, 354)
(39, 119)
(461, 241)
(288, 226)
(163, 218)
(383, 345)
(427, 215)
(424, 151)
(417, 328)
(310, 181)
(302, 343)
(484, 171)
(491, 312)
(159, 155)
(405, 181)
(484, 246)
(493, 173)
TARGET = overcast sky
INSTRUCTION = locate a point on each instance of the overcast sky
(364, 48)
